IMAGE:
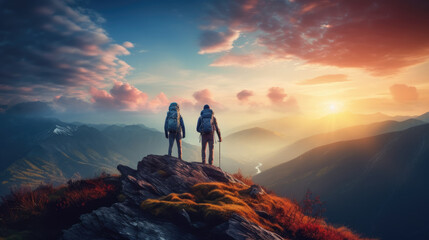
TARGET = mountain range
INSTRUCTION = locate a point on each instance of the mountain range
(46, 150)
(301, 146)
(251, 144)
(377, 185)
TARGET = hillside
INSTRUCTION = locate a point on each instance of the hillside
(44, 150)
(361, 131)
(366, 183)
(197, 201)
(251, 144)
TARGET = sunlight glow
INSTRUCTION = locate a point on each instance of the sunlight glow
(334, 107)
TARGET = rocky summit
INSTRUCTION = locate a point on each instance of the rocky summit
(141, 214)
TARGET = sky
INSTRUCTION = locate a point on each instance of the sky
(125, 61)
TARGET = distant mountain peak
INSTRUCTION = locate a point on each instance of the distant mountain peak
(64, 130)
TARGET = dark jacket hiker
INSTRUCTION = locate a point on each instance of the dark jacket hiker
(173, 128)
(207, 125)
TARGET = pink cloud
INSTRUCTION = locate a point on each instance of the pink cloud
(242, 60)
(381, 37)
(402, 93)
(280, 100)
(244, 95)
(205, 97)
(212, 41)
(128, 44)
(122, 96)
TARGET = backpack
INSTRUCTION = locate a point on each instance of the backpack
(206, 121)
(173, 118)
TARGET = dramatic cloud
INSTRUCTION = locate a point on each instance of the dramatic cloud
(212, 42)
(53, 44)
(280, 101)
(402, 93)
(244, 95)
(381, 36)
(330, 78)
(205, 97)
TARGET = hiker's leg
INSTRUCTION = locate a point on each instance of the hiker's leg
(203, 148)
(171, 137)
(179, 146)
(211, 153)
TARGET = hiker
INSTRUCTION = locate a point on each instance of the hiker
(173, 128)
(206, 126)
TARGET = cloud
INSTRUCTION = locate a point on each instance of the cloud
(403, 94)
(276, 94)
(55, 45)
(244, 95)
(212, 41)
(128, 44)
(71, 104)
(33, 109)
(381, 36)
(280, 100)
(330, 78)
(122, 96)
(203, 97)
(242, 60)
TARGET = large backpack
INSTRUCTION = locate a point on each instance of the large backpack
(173, 118)
(206, 121)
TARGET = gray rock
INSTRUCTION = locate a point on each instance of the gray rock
(239, 228)
(158, 176)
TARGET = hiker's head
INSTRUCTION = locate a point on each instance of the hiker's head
(173, 105)
(206, 106)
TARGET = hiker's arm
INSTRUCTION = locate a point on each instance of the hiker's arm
(198, 124)
(217, 129)
(182, 125)
(165, 127)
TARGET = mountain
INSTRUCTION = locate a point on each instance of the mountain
(251, 144)
(293, 150)
(377, 185)
(297, 127)
(424, 117)
(36, 150)
(166, 198)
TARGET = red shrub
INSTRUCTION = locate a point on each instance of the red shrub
(246, 180)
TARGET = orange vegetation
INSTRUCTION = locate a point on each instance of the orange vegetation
(24, 209)
(216, 202)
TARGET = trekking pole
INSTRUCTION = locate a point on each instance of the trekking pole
(219, 154)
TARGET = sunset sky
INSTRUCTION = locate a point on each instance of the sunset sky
(125, 61)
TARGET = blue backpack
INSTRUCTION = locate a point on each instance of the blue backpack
(206, 121)
(173, 118)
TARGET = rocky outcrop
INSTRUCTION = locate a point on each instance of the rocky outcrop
(157, 176)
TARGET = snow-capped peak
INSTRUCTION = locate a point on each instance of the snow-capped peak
(63, 130)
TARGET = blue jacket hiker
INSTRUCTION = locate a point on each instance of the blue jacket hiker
(173, 128)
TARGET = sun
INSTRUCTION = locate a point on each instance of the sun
(334, 107)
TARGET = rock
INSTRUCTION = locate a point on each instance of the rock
(256, 190)
(239, 228)
(158, 176)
